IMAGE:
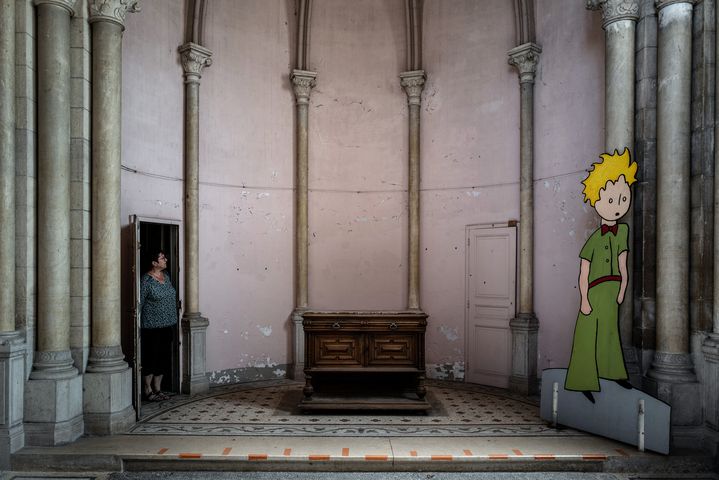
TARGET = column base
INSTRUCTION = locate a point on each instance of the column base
(194, 354)
(672, 380)
(297, 370)
(57, 365)
(12, 369)
(523, 379)
(106, 360)
(107, 402)
(710, 349)
(53, 411)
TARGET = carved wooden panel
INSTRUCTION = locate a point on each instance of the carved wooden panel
(337, 350)
(389, 349)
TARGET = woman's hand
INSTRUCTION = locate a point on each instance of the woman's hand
(586, 308)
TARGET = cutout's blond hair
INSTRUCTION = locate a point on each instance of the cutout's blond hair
(609, 169)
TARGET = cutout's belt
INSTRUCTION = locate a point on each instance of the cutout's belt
(606, 278)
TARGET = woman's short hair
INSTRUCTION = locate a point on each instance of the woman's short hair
(152, 256)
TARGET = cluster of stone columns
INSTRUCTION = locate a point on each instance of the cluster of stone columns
(194, 326)
(672, 371)
(525, 325)
(12, 348)
(619, 23)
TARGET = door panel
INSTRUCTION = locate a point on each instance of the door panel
(491, 291)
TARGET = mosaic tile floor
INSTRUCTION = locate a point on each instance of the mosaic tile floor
(270, 409)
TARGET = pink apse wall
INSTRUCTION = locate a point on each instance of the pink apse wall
(358, 161)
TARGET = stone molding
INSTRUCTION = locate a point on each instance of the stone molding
(303, 81)
(672, 368)
(113, 11)
(68, 5)
(413, 84)
(194, 58)
(525, 59)
(55, 365)
(710, 347)
(11, 338)
(524, 322)
(615, 10)
(659, 4)
(106, 359)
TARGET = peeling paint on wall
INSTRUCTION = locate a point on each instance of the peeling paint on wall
(247, 374)
(451, 334)
(266, 331)
(446, 371)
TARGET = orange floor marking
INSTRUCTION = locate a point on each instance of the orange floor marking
(468, 453)
(381, 458)
(621, 452)
(319, 458)
(287, 452)
(442, 457)
(190, 455)
(498, 456)
(345, 452)
(226, 451)
(517, 452)
(257, 456)
(545, 457)
(413, 453)
(594, 456)
(161, 451)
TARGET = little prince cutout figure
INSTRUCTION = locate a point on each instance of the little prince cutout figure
(597, 349)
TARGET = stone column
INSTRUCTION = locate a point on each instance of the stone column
(619, 23)
(711, 342)
(525, 325)
(302, 81)
(12, 347)
(53, 395)
(108, 381)
(194, 325)
(671, 375)
(413, 84)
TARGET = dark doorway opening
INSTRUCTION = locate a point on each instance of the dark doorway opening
(150, 236)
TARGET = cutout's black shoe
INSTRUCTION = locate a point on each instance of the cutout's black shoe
(589, 396)
(624, 383)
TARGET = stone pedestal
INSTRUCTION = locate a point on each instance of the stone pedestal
(710, 349)
(298, 347)
(194, 355)
(53, 411)
(12, 379)
(107, 402)
(523, 379)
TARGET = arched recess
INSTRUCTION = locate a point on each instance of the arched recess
(195, 21)
(524, 21)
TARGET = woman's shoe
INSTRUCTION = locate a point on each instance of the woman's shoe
(154, 397)
(161, 396)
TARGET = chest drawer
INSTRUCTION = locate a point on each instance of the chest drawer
(335, 350)
(391, 350)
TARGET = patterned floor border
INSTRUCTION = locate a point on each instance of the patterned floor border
(152, 410)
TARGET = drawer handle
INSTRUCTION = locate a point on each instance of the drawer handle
(336, 325)
(393, 326)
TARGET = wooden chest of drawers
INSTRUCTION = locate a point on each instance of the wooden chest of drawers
(364, 360)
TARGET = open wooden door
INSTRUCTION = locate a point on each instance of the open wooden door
(136, 360)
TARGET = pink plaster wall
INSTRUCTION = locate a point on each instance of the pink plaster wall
(358, 159)
(470, 154)
(358, 156)
(569, 136)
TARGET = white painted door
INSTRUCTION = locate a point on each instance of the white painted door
(491, 298)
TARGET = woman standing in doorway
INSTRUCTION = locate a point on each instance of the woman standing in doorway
(158, 307)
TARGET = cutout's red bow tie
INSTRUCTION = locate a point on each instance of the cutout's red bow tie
(614, 229)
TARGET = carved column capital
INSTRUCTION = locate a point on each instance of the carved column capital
(68, 5)
(615, 10)
(113, 11)
(303, 81)
(525, 58)
(194, 59)
(413, 84)
(659, 4)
